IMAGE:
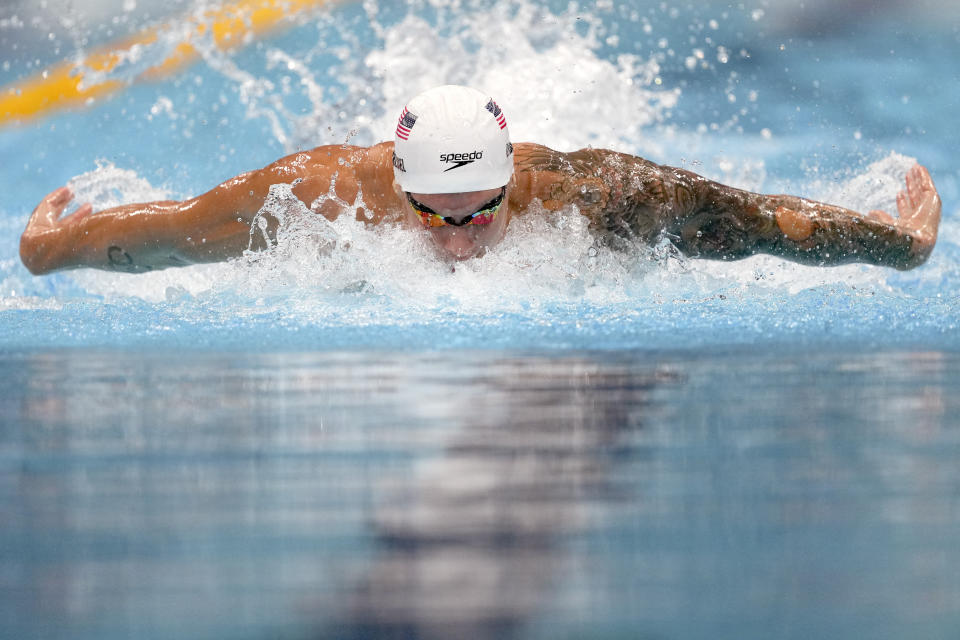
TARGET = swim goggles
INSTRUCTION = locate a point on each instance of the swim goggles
(483, 215)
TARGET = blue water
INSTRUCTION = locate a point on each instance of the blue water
(743, 96)
(554, 441)
(479, 494)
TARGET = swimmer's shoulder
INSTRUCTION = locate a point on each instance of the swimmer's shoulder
(355, 173)
(606, 186)
(536, 169)
(371, 162)
(375, 174)
(556, 178)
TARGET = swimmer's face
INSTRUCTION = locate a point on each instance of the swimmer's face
(470, 240)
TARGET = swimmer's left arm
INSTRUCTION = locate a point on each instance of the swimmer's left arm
(627, 196)
(728, 223)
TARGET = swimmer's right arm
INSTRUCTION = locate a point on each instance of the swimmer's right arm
(134, 238)
(212, 227)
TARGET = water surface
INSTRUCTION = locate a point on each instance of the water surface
(479, 494)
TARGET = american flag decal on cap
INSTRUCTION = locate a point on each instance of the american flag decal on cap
(494, 108)
(407, 120)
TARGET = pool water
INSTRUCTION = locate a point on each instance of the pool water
(480, 494)
(557, 440)
(744, 96)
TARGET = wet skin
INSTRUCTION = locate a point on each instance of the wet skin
(468, 241)
(623, 196)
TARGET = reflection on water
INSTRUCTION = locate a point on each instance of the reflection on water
(471, 539)
(478, 495)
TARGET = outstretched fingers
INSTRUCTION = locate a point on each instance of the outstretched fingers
(920, 196)
(904, 207)
(925, 184)
(914, 190)
(49, 212)
(60, 198)
(919, 206)
(50, 208)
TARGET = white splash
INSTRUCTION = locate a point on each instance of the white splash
(544, 70)
(554, 89)
(110, 186)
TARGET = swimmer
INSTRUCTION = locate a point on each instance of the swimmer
(452, 173)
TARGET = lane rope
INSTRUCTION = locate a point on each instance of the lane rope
(76, 84)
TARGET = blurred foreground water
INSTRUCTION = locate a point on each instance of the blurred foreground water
(479, 494)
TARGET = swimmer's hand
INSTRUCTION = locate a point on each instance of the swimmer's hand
(919, 208)
(47, 232)
(52, 241)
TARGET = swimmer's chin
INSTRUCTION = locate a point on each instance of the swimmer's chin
(461, 256)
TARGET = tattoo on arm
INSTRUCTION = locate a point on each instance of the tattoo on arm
(731, 224)
(622, 195)
(629, 197)
(120, 260)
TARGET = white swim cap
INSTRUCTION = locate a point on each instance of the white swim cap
(452, 139)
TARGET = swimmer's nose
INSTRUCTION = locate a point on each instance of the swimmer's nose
(458, 243)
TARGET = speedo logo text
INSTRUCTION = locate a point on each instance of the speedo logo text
(460, 159)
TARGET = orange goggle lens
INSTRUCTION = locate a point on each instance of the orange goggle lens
(484, 215)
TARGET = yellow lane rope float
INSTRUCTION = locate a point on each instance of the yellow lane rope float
(72, 84)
